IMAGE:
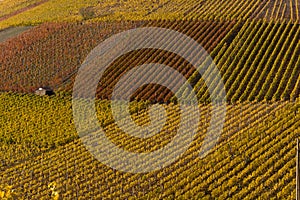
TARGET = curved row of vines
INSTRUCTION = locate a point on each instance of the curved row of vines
(254, 157)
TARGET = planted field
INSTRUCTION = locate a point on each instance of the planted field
(255, 46)
(167, 9)
(31, 125)
(261, 63)
(49, 11)
(280, 10)
(8, 7)
(257, 60)
(45, 55)
(254, 157)
(112, 10)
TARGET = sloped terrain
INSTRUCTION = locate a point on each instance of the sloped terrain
(254, 158)
(255, 46)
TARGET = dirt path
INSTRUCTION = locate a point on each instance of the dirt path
(12, 32)
(22, 10)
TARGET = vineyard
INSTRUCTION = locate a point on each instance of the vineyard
(257, 60)
(12, 6)
(113, 10)
(280, 10)
(255, 45)
(44, 55)
(254, 157)
(43, 63)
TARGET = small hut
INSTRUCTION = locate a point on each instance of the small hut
(44, 91)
